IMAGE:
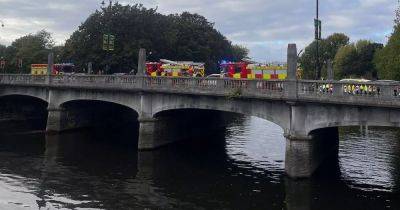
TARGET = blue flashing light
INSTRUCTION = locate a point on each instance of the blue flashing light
(225, 62)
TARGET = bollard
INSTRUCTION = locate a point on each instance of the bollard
(290, 87)
(292, 62)
(142, 62)
(50, 63)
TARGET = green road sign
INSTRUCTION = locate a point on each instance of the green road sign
(108, 42)
(318, 29)
(111, 40)
(105, 42)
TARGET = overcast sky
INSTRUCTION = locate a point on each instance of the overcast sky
(263, 26)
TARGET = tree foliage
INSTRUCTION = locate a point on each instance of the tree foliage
(356, 60)
(176, 37)
(327, 49)
(397, 18)
(32, 48)
(387, 60)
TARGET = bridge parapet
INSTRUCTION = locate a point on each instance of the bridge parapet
(365, 93)
(370, 94)
(22, 79)
(95, 81)
(216, 86)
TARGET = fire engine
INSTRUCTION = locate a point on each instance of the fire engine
(175, 68)
(62, 68)
(252, 70)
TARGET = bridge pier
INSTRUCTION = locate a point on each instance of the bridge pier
(147, 134)
(54, 120)
(155, 133)
(305, 155)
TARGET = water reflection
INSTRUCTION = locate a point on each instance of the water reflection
(370, 159)
(240, 167)
(265, 151)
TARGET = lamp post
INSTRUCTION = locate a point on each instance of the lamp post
(2, 61)
(108, 38)
(317, 24)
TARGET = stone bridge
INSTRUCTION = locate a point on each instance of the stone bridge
(309, 112)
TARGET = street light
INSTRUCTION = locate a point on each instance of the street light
(317, 24)
(2, 62)
(108, 38)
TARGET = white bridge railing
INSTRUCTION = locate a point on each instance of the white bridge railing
(372, 93)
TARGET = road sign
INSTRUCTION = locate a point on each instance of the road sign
(108, 42)
(318, 29)
(111, 40)
(105, 42)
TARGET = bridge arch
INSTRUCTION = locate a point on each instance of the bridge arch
(62, 97)
(346, 116)
(28, 112)
(277, 112)
(33, 92)
(24, 96)
(94, 113)
(88, 101)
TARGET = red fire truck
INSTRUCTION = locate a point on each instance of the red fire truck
(61, 68)
(247, 70)
(175, 68)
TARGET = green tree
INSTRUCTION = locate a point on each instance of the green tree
(356, 60)
(58, 52)
(183, 36)
(343, 61)
(387, 60)
(327, 49)
(32, 48)
(333, 42)
(239, 52)
(397, 18)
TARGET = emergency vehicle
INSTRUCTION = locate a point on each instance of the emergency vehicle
(39, 69)
(175, 68)
(62, 68)
(247, 70)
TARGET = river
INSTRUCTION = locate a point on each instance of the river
(240, 167)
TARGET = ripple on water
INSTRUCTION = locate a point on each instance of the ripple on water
(258, 145)
(368, 161)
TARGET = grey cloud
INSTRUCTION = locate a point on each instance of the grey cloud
(264, 26)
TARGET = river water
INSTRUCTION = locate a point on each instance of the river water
(240, 167)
